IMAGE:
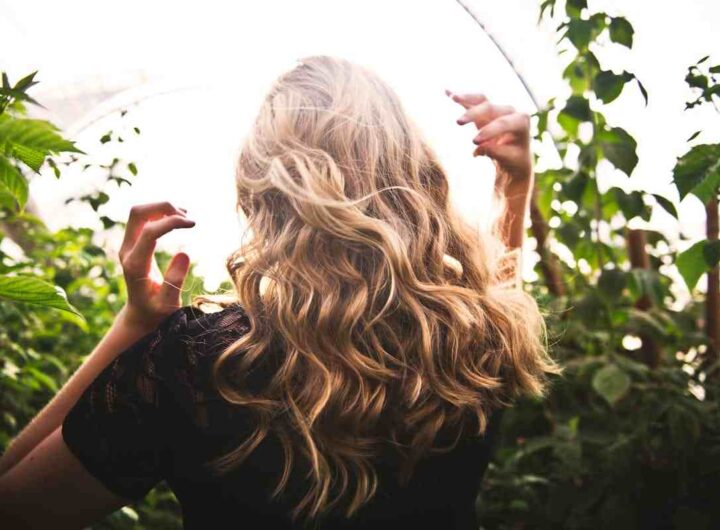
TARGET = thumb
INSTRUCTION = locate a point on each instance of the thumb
(174, 278)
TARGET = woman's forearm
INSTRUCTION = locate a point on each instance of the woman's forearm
(511, 223)
(121, 335)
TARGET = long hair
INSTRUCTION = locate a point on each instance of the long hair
(387, 308)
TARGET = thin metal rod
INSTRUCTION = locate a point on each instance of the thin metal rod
(499, 47)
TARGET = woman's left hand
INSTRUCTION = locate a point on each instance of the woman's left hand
(152, 297)
(503, 135)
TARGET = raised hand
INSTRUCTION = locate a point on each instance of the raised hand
(151, 297)
(503, 135)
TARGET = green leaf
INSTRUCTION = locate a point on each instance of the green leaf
(574, 187)
(691, 264)
(599, 22)
(711, 253)
(697, 80)
(43, 379)
(576, 75)
(580, 33)
(26, 82)
(611, 283)
(573, 8)
(642, 90)
(107, 222)
(693, 136)
(645, 282)
(619, 148)
(32, 290)
(547, 4)
(18, 95)
(609, 85)
(621, 31)
(684, 428)
(698, 172)
(577, 110)
(32, 158)
(569, 234)
(588, 157)
(715, 69)
(97, 200)
(32, 140)
(133, 168)
(12, 181)
(631, 204)
(667, 205)
(545, 182)
(612, 383)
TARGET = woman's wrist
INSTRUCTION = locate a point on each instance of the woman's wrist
(134, 324)
(511, 184)
(514, 194)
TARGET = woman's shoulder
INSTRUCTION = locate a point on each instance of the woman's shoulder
(208, 327)
(193, 339)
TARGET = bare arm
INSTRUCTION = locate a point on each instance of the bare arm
(515, 204)
(42, 484)
(121, 335)
(504, 136)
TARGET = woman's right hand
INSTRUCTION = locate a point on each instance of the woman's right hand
(152, 297)
(504, 136)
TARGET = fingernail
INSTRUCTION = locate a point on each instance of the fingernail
(447, 92)
(462, 121)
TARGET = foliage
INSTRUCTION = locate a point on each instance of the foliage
(29, 143)
(629, 436)
(697, 173)
(41, 347)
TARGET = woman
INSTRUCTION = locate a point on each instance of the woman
(357, 379)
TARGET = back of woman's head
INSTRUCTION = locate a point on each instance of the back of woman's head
(376, 311)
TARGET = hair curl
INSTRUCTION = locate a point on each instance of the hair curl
(389, 310)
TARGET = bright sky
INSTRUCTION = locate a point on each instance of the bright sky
(192, 75)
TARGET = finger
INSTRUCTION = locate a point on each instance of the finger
(174, 278)
(139, 259)
(139, 215)
(484, 113)
(467, 100)
(486, 149)
(515, 123)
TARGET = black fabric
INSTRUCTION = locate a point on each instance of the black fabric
(154, 415)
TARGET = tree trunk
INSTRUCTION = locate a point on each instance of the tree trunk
(650, 351)
(712, 300)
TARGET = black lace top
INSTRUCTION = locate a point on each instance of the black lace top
(154, 415)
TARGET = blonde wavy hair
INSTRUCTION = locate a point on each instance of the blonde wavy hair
(389, 310)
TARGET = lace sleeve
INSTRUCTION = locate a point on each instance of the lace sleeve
(116, 428)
